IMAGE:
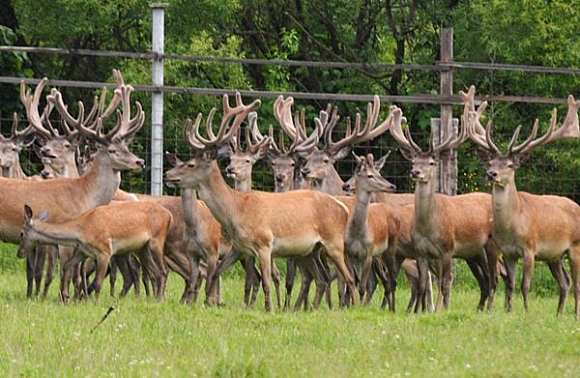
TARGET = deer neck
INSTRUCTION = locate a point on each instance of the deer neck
(245, 185)
(331, 184)
(221, 200)
(425, 204)
(361, 210)
(101, 182)
(506, 203)
(14, 171)
(189, 203)
(67, 233)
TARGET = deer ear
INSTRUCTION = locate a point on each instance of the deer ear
(43, 216)
(222, 152)
(379, 164)
(27, 213)
(521, 159)
(483, 154)
(341, 154)
(407, 154)
(173, 159)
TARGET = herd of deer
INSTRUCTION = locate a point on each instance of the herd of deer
(314, 219)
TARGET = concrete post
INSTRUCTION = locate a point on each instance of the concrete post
(158, 42)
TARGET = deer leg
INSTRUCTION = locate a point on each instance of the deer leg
(276, 280)
(557, 269)
(266, 271)
(211, 289)
(423, 268)
(574, 257)
(194, 261)
(381, 274)
(30, 265)
(475, 265)
(134, 269)
(290, 277)
(510, 269)
(447, 278)
(50, 268)
(527, 276)
(366, 271)
(155, 248)
(336, 254)
(307, 276)
(68, 269)
(492, 258)
(113, 267)
(39, 267)
(102, 263)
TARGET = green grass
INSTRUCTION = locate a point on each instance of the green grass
(145, 338)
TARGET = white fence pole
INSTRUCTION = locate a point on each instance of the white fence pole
(158, 42)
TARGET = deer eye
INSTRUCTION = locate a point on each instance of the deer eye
(326, 160)
(431, 163)
(112, 151)
(370, 175)
(511, 165)
(293, 164)
(191, 165)
(248, 161)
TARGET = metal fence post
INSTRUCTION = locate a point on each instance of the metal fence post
(448, 164)
(158, 41)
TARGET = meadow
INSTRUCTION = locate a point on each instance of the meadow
(142, 337)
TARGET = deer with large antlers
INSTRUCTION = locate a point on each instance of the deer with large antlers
(529, 226)
(257, 223)
(240, 170)
(96, 188)
(285, 164)
(10, 148)
(446, 227)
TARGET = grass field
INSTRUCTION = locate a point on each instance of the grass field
(145, 338)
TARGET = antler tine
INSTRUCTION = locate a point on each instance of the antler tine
(452, 142)
(532, 142)
(397, 133)
(19, 135)
(238, 113)
(570, 127)
(31, 102)
(368, 132)
(273, 145)
(310, 142)
(300, 121)
(469, 100)
(55, 99)
(283, 114)
(489, 141)
(254, 137)
(188, 132)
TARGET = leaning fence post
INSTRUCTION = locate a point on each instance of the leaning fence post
(158, 10)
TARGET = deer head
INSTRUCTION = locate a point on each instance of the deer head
(368, 177)
(283, 160)
(194, 171)
(11, 146)
(242, 161)
(349, 186)
(502, 166)
(28, 235)
(114, 144)
(424, 162)
(320, 163)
